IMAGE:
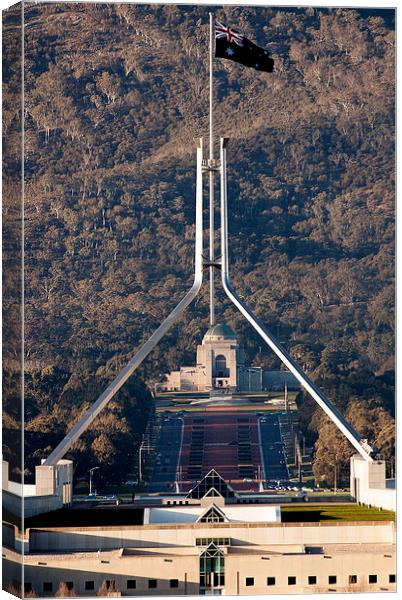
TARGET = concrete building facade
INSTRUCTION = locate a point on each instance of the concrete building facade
(208, 542)
(368, 484)
(204, 558)
(53, 489)
(220, 365)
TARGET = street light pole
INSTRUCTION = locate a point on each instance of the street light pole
(140, 463)
(90, 478)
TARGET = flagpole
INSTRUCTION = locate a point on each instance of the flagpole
(211, 177)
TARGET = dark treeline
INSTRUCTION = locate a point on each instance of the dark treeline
(114, 95)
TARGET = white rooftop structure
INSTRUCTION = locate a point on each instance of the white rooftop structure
(235, 513)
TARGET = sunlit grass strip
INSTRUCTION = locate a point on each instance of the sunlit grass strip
(339, 512)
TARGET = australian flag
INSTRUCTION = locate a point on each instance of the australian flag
(232, 45)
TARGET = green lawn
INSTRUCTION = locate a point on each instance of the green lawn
(334, 512)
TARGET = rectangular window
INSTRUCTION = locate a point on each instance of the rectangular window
(47, 586)
(270, 580)
(152, 584)
(331, 578)
(89, 585)
(131, 584)
(249, 581)
(70, 585)
(372, 578)
(312, 579)
(352, 578)
(174, 583)
(392, 578)
(110, 584)
(27, 586)
(216, 541)
(291, 580)
(219, 579)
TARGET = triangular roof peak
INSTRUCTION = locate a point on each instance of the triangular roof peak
(214, 473)
(212, 550)
(212, 480)
(212, 514)
(212, 492)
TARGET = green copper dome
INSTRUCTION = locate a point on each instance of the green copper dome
(219, 331)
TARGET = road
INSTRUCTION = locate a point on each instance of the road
(236, 444)
(168, 454)
(272, 449)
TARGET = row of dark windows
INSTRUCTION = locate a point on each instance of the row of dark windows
(90, 585)
(216, 541)
(152, 583)
(174, 583)
(239, 501)
(312, 580)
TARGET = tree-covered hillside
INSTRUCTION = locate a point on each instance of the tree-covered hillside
(114, 95)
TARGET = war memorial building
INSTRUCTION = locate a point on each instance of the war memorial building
(220, 365)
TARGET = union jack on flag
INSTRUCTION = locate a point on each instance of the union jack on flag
(229, 34)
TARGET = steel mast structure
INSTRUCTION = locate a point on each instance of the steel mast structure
(211, 167)
(360, 444)
(85, 421)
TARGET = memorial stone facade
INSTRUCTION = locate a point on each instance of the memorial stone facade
(220, 365)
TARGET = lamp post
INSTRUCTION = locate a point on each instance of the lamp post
(140, 461)
(91, 478)
(139, 464)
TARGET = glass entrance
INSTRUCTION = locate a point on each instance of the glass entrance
(212, 571)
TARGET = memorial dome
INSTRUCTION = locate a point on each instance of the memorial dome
(219, 332)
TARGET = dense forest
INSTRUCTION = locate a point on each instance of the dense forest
(113, 98)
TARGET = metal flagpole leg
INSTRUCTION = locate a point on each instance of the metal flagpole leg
(361, 445)
(137, 359)
(211, 178)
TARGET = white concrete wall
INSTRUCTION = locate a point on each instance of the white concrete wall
(188, 379)
(171, 515)
(52, 490)
(301, 566)
(234, 513)
(368, 484)
(147, 536)
(172, 381)
(33, 505)
(167, 564)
